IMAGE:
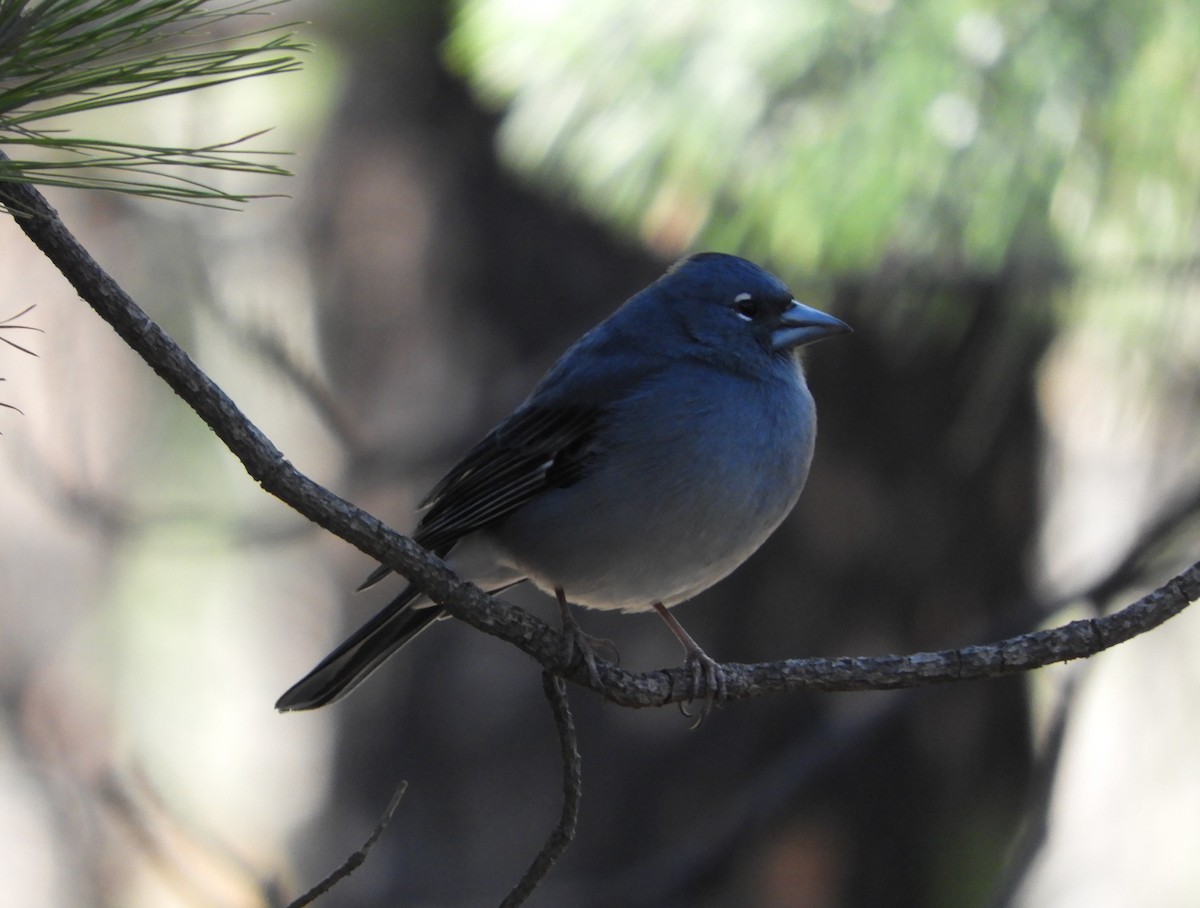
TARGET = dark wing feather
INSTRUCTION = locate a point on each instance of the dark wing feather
(535, 449)
(522, 457)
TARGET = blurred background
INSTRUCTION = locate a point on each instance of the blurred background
(1002, 199)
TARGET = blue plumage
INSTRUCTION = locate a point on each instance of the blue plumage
(650, 461)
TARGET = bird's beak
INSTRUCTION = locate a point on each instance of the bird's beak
(799, 325)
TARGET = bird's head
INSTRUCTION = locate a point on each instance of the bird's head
(733, 306)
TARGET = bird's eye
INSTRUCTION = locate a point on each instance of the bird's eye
(746, 306)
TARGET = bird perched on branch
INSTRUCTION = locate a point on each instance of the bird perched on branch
(652, 459)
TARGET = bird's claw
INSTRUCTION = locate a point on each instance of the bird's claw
(707, 670)
(578, 641)
(698, 664)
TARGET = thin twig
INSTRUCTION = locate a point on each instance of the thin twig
(354, 861)
(564, 831)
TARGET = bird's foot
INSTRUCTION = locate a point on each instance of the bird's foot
(700, 665)
(707, 670)
(587, 646)
(578, 641)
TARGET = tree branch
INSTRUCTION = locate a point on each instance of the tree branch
(354, 861)
(267, 465)
(564, 831)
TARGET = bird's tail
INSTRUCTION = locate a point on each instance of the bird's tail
(362, 652)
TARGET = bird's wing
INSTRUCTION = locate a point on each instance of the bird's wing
(535, 449)
(547, 442)
(550, 441)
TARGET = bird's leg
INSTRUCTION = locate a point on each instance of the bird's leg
(578, 639)
(698, 661)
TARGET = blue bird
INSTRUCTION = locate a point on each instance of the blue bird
(653, 458)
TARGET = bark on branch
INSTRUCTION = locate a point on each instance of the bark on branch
(268, 466)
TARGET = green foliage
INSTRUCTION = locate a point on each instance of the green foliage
(831, 134)
(62, 58)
